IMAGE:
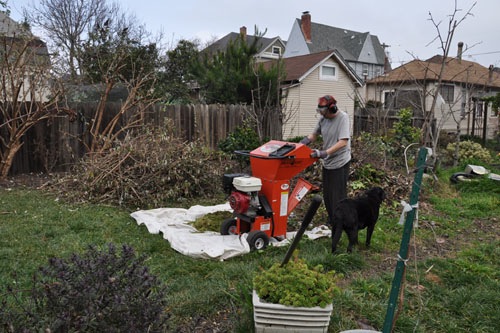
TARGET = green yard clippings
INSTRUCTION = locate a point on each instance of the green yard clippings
(295, 284)
(211, 221)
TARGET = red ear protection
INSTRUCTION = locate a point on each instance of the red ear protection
(328, 101)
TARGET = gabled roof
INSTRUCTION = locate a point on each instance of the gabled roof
(348, 43)
(455, 71)
(222, 44)
(299, 67)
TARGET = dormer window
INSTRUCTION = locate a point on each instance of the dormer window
(328, 73)
(277, 50)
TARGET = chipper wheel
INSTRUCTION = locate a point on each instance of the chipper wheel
(257, 240)
(228, 227)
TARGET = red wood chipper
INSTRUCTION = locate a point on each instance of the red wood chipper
(262, 202)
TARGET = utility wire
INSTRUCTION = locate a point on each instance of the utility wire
(476, 54)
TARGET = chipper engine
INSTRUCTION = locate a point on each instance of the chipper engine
(262, 201)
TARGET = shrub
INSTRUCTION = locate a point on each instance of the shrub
(99, 291)
(242, 138)
(469, 151)
(404, 131)
(368, 175)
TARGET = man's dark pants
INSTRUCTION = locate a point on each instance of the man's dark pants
(334, 188)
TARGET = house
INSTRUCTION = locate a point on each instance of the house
(9, 27)
(460, 98)
(26, 65)
(309, 77)
(268, 48)
(362, 51)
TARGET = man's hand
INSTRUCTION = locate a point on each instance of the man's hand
(319, 153)
(305, 141)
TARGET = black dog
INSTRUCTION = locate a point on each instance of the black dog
(351, 215)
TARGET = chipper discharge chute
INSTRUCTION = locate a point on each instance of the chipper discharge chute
(262, 202)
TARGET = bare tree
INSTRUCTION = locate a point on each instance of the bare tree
(445, 42)
(104, 47)
(266, 111)
(115, 55)
(427, 80)
(67, 23)
(28, 94)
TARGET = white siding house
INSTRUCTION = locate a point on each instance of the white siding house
(460, 98)
(310, 77)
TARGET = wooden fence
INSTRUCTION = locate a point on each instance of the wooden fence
(379, 122)
(55, 144)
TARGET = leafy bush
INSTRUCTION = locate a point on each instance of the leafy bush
(404, 131)
(99, 291)
(242, 138)
(369, 174)
(369, 148)
(295, 284)
(401, 136)
(469, 151)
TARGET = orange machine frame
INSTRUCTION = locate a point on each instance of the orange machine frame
(276, 163)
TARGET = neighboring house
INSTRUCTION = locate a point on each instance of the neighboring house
(461, 95)
(26, 62)
(9, 27)
(269, 48)
(309, 77)
(360, 50)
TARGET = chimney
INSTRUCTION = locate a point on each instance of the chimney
(490, 73)
(459, 52)
(387, 63)
(306, 26)
(243, 32)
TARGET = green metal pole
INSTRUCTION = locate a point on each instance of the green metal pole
(403, 250)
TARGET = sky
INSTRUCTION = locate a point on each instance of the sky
(404, 25)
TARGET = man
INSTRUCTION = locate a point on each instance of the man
(335, 156)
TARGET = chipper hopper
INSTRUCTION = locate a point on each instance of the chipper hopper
(263, 201)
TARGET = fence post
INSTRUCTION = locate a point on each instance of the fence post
(403, 251)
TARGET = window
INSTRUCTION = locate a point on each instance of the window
(399, 99)
(448, 93)
(365, 70)
(328, 72)
(277, 50)
(389, 99)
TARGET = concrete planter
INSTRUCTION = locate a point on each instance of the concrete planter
(275, 318)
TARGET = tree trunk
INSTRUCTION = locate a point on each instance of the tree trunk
(9, 154)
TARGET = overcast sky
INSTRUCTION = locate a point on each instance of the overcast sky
(402, 24)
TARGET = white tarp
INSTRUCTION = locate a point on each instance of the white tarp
(174, 224)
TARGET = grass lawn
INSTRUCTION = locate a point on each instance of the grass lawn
(452, 277)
